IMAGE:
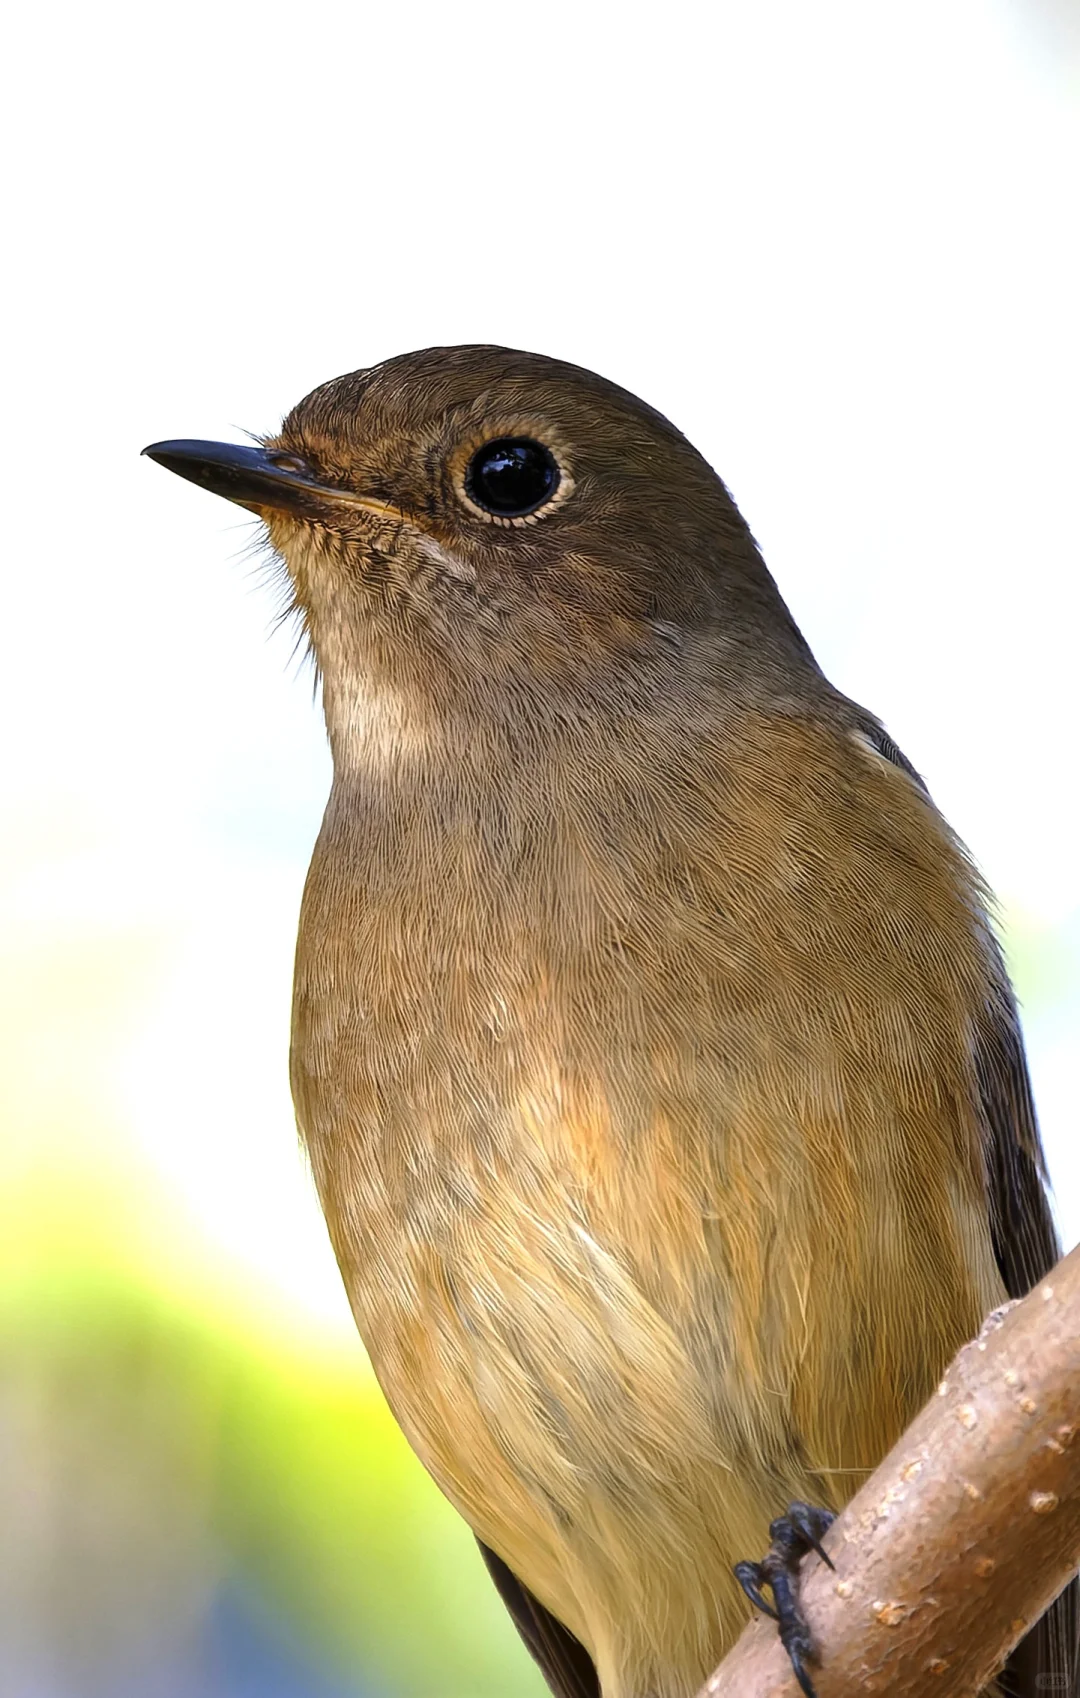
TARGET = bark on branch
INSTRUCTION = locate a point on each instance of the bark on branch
(963, 1536)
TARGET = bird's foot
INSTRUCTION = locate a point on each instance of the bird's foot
(792, 1535)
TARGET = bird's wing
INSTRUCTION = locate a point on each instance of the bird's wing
(564, 1663)
(1025, 1246)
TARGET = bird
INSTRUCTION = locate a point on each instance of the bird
(652, 1045)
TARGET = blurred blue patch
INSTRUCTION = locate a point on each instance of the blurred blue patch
(238, 1651)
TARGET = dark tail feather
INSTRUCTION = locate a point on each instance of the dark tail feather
(564, 1663)
(1046, 1660)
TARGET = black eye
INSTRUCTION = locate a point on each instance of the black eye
(511, 476)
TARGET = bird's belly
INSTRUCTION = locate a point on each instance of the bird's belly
(620, 1371)
(565, 1416)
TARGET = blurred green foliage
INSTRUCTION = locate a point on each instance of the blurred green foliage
(1044, 962)
(171, 1447)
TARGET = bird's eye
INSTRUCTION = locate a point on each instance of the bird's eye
(511, 476)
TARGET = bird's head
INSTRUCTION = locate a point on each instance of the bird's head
(474, 522)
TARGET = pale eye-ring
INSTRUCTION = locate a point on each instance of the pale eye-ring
(512, 476)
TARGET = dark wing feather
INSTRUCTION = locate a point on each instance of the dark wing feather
(1026, 1247)
(564, 1663)
(1025, 1242)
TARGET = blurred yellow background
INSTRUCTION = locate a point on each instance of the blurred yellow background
(838, 246)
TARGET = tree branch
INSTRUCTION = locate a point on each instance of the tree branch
(962, 1537)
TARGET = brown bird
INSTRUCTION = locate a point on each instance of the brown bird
(659, 1071)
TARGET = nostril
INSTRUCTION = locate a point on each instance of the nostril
(289, 462)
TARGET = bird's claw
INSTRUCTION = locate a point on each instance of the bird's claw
(801, 1530)
(792, 1535)
(750, 1576)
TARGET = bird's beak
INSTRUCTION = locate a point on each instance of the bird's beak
(259, 478)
